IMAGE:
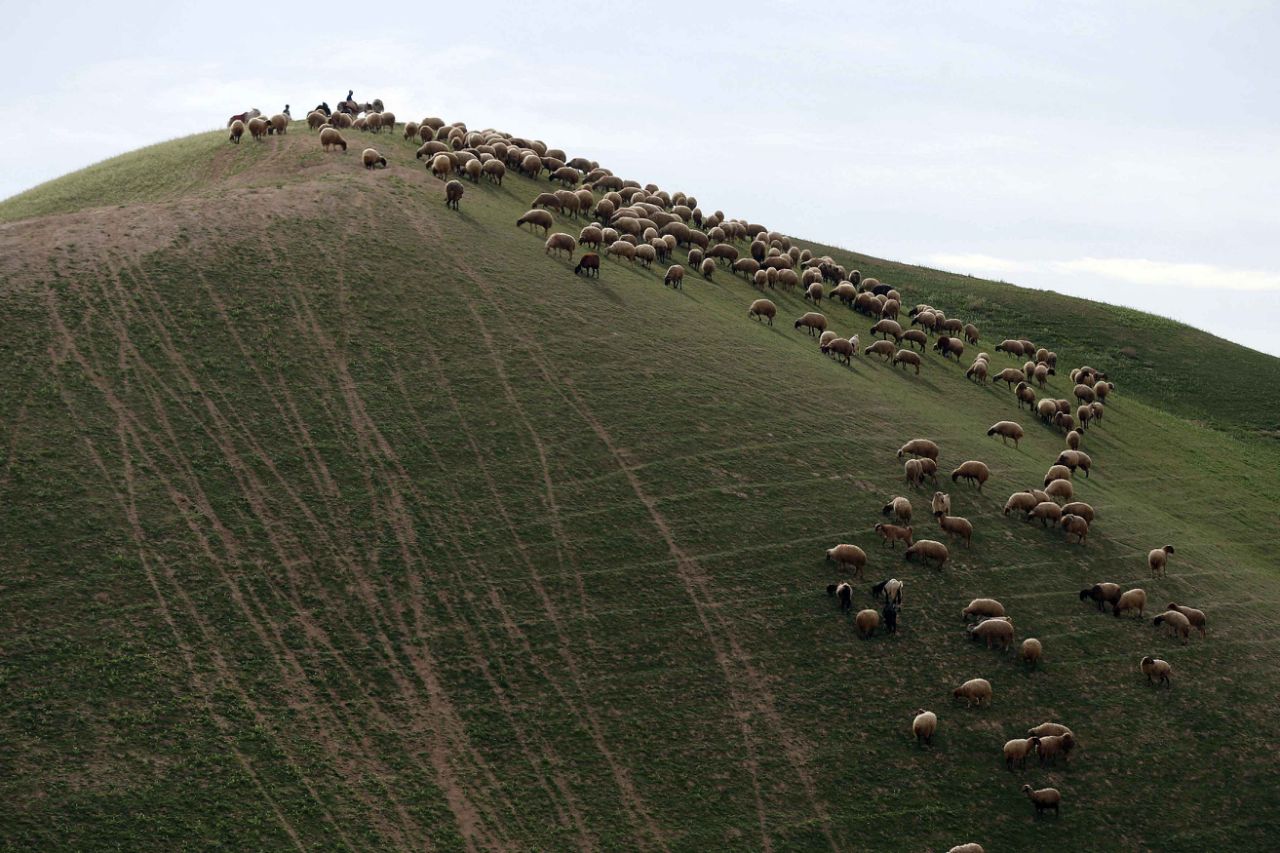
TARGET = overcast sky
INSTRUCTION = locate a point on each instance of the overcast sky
(1123, 151)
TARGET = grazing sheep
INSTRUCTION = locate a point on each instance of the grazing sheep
(1020, 501)
(847, 556)
(1006, 430)
(1025, 394)
(814, 292)
(955, 526)
(588, 264)
(1076, 459)
(971, 847)
(1074, 525)
(983, 608)
(1052, 746)
(1081, 509)
(1158, 561)
(844, 350)
(975, 691)
(890, 590)
(441, 166)
(1057, 472)
(1098, 410)
(866, 622)
(1012, 347)
(1049, 730)
(941, 503)
(926, 550)
(537, 219)
(814, 322)
(949, 346)
(973, 471)
(1156, 670)
(453, 194)
(1178, 624)
(372, 159)
(561, 242)
(994, 632)
(892, 534)
(1011, 376)
(899, 507)
(760, 309)
(1045, 511)
(1045, 798)
(622, 249)
(885, 328)
(907, 357)
(1083, 393)
(913, 472)
(1060, 490)
(914, 337)
(1042, 372)
(919, 447)
(278, 124)
(708, 268)
(1102, 593)
(924, 725)
(1030, 651)
(258, 128)
(881, 348)
(315, 119)
(329, 137)
(844, 592)
(1134, 599)
(1195, 617)
(1017, 750)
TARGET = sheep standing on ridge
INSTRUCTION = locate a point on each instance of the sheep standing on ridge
(372, 159)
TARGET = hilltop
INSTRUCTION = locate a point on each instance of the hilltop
(331, 517)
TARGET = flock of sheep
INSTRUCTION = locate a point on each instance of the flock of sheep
(645, 225)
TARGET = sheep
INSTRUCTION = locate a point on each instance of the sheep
(973, 471)
(329, 137)
(537, 219)
(1006, 430)
(1158, 561)
(885, 328)
(922, 447)
(983, 608)
(1076, 459)
(1073, 440)
(588, 264)
(1012, 347)
(1157, 671)
(924, 725)
(1102, 389)
(994, 632)
(1060, 490)
(1021, 501)
(760, 309)
(949, 346)
(315, 119)
(1074, 525)
(907, 357)
(1195, 617)
(845, 555)
(892, 534)
(452, 194)
(1047, 410)
(1178, 624)
(814, 322)
(590, 235)
(927, 549)
(708, 268)
(1030, 651)
(941, 503)
(1083, 393)
(1017, 750)
(866, 622)
(912, 337)
(1045, 798)
(278, 124)
(1011, 376)
(914, 475)
(1134, 599)
(1052, 746)
(1098, 409)
(974, 691)
(890, 590)
(1057, 472)
(258, 128)
(1103, 593)
(1084, 414)
(1045, 511)
(237, 131)
(899, 507)
(844, 592)
(372, 159)
(622, 249)
(561, 242)
(1048, 730)
(977, 371)
(1081, 509)
(441, 166)
(844, 350)
(971, 847)
(1064, 421)
(882, 348)
(955, 526)
(1025, 394)
(814, 293)
(1042, 372)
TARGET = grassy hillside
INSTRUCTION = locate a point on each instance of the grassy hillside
(331, 518)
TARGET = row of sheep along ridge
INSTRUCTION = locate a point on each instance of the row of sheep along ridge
(644, 225)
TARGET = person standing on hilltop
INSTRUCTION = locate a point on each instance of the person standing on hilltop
(288, 114)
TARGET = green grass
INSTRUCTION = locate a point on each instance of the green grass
(343, 520)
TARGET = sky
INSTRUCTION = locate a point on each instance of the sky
(1123, 151)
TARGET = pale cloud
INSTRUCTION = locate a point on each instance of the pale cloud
(1137, 271)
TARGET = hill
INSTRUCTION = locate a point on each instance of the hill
(332, 518)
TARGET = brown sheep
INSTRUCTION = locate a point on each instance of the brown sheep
(537, 219)
(994, 632)
(1026, 395)
(886, 328)
(844, 350)
(949, 346)
(1046, 511)
(372, 159)
(848, 556)
(329, 137)
(1043, 799)
(1006, 430)
(1074, 525)
(907, 357)
(453, 194)
(1057, 472)
(922, 447)
(971, 333)
(955, 526)
(1060, 490)
(441, 166)
(561, 242)
(258, 128)
(1011, 376)
(866, 622)
(924, 725)
(1102, 593)
(1076, 459)
(237, 131)
(1134, 599)
(926, 550)
(881, 348)
(1158, 561)
(975, 691)
(1030, 651)
(983, 608)
(814, 322)
(892, 534)
(1178, 624)
(899, 507)
(1081, 509)
(1196, 617)
(1021, 501)
(588, 264)
(1157, 671)
(1017, 750)
(973, 471)
(761, 309)
(1073, 440)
